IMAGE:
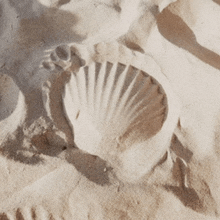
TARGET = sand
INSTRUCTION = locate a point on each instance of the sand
(109, 110)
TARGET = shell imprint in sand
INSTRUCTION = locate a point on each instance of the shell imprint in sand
(118, 112)
(11, 105)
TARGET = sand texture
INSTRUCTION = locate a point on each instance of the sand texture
(109, 110)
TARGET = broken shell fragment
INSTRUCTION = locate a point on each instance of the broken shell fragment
(123, 113)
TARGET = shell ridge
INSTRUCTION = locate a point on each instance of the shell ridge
(136, 90)
(72, 91)
(125, 96)
(142, 107)
(107, 92)
(115, 99)
(90, 88)
(77, 86)
(82, 88)
(145, 112)
(100, 77)
(87, 85)
(135, 102)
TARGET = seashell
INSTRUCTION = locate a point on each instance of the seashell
(12, 105)
(124, 112)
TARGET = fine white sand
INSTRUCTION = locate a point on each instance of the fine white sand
(109, 110)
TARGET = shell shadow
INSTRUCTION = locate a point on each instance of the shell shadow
(92, 167)
(216, 1)
(187, 196)
(12, 149)
(176, 31)
(39, 30)
(43, 29)
(3, 216)
(56, 108)
(48, 25)
(180, 150)
(43, 145)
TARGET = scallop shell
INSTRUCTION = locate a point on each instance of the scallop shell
(12, 105)
(123, 111)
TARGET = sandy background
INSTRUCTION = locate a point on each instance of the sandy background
(42, 173)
